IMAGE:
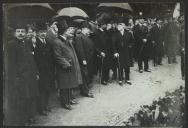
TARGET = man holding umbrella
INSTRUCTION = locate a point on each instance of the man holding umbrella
(122, 40)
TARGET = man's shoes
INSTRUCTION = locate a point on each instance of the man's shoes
(147, 70)
(90, 95)
(74, 102)
(120, 83)
(128, 82)
(104, 83)
(140, 70)
(43, 113)
(48, 109)
(66, 106)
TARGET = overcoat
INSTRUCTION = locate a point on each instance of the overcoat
(157, 36)
(121, 44)
(65, 55)
(45, 62)
(84, 48)
(141, 49)
(172, 38)
(22, 86)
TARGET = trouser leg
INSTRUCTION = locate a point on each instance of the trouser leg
(146, 65)
(140, 64)
(127, 73)
(64, 96)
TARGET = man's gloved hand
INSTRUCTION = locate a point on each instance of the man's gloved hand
(84, 62)
(144, 40)
(116, 55)
(68, 68)
(103, 54)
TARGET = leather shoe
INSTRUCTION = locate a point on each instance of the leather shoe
(104, 83)
(73, 102)
(128, 82)
(43, 113)
(89, 95)
(48, 109)
(68, 107)
(140, 70)
(120, 83)
(147, 70)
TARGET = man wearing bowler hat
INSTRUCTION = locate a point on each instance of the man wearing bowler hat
(68, 74)
(84, 48)
(122, 40)
(43, 53)
(21, 79)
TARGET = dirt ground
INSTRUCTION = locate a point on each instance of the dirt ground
(114, 104)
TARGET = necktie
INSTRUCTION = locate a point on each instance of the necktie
(44, 41)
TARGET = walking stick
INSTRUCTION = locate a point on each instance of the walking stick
(119, 68)
(100, 75)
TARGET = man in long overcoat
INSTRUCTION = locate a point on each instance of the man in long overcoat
(122, 40)
(171, 40)
(103, 48)
(43, 53)
(141, 45)
(68, 73)
(157, 39)
(84, 48)
(21, 79)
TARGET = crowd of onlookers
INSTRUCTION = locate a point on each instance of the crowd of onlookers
(66, 55)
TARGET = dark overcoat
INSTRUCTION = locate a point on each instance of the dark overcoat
(65, 55)
(103, 43)
(157, 36)
(141, 49)
(84, 48)
(172, 38)
(21, 81)
(121, 44)
(45, 62)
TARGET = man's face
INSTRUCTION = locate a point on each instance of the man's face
(70, 31)
(42, 34)
(20, 33)
(109, 26)
(86, 31)
(120, 26)
(30, 33)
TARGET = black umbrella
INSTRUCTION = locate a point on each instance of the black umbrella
(29, 11)
(124, 6)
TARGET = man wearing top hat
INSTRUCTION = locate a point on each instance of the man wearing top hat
(122, 40)
(21, 79)
(68, 74)
(43, 53)
(84, 48)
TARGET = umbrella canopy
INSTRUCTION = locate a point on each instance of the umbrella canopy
(29, 11)
(124, 6)
(72, 12)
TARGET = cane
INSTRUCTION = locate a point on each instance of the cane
(100, 75)
(119, 66)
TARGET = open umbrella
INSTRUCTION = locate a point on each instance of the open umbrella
(29, 11)
(72, 12)
(124, 6)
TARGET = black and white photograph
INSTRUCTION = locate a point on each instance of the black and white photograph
(94, 64)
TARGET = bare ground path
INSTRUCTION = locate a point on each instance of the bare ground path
(115, 104)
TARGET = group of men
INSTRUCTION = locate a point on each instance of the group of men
(70, 56)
